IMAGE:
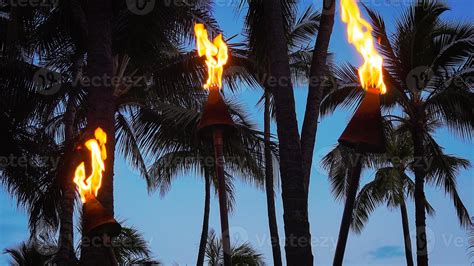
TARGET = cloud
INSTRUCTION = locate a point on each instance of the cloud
(386, 252)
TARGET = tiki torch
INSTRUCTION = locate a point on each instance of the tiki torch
(98, 221)
(365, 132)
(216, 121)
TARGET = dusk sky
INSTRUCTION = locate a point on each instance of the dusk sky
(172, 224)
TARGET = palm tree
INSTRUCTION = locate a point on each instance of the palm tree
(299, 34)
(27, 254)
(345, 178)
(205, 220)
(165, 31)
(316, 88)
(392, 185)
(295, 204)
(317, 62)
(296, 160)
(130, 248)
(32, 184)
(278, 18)
(168, 133)
(426, 62)
(35, 41)
(169, 86)
(31, 141)
(243, 254)
(54, 40)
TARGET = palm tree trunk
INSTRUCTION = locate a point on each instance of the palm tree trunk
(420, 198)
(272, 222)
(348, 211)
(205, 222)
(101, 102)
(101, 107)
(315, 90)
(295, 204)
(406, 233)
(66, 254)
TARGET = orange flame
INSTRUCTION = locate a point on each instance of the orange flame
(359, 32)
(216, 55)
(91, 184)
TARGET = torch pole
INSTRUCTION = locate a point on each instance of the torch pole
(364, 134)
(218, 140)
(215, 123)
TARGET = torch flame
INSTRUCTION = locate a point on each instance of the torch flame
(359, 32)
(91, 184)
(216, 55)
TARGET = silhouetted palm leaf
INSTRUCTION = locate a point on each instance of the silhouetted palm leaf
(243, 254)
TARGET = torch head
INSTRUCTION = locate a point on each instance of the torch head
(365, 131)
(215, 114)
(98, 220)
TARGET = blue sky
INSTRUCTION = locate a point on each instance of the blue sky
(172, 224)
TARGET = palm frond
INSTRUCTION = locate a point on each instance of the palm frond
(26, 254)
(243, 254)
(387, 187)
(304, 29)
(442, 172)
(131, 246)
(348, 94)
(128, 145)
(169, 166)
